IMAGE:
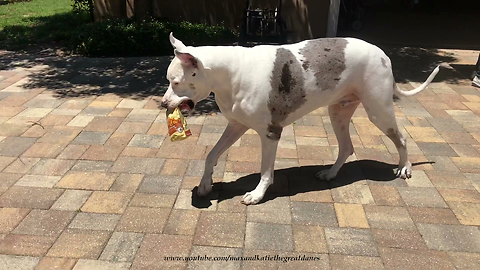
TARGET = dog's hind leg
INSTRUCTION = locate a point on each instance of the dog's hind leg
(340, 116)
(269, 151)
(380, 111)
(231, 134)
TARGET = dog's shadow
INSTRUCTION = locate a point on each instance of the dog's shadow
(295, 180)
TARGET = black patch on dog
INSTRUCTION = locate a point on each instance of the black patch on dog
(287, 93)
(274, 132)
(286, 80)
(384, 62)
(305, 64)
(326, 57)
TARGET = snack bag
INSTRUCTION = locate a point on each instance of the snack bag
(177, 126)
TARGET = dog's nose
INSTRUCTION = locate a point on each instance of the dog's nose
(164, 104)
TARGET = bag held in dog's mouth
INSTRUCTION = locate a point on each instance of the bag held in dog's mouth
(177, 126)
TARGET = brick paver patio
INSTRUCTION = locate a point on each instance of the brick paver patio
(89, 180)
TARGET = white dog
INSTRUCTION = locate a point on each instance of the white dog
(266, 88)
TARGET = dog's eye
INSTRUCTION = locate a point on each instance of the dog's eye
(194, 74)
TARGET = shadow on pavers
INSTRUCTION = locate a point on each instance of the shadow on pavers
(77, 77)
(295, 180)
(414, 64)
(71, 76)
(203, 202)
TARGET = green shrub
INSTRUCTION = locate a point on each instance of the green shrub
(202, 34)
(148, 38)
(82, 5)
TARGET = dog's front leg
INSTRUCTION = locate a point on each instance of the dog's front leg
(269, 151)
(231, 134)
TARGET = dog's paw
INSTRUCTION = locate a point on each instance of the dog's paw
(251, 197)
(204, 190)
(325, 176)
(404, 173)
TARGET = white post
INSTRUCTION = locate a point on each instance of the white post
(333, 12)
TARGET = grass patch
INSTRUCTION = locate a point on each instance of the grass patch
(47, 23)
(28, 13)
(39, 22)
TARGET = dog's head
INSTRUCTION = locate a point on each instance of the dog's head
(186, 75)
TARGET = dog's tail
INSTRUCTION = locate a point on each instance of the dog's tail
(424, 85)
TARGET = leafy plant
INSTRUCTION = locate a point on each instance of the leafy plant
(82, 6)
(146, 38)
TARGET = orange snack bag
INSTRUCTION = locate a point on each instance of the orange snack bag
(177, 126)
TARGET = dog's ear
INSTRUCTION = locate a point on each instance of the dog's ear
(176, 44)
(189, 60)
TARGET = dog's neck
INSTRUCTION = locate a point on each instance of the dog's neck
(222, 74)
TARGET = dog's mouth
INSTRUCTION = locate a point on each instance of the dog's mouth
(186, 106)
